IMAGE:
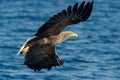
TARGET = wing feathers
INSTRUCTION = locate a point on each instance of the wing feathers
(80, 8)
(72, 15)
(87, 13)
(75, 8)
(69, 11)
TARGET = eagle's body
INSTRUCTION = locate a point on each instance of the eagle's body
(40, 49)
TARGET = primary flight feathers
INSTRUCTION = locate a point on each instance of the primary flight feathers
(72, 15)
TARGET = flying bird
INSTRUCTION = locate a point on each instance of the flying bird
(40, 52)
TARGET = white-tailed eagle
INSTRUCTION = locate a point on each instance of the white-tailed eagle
(40, 49)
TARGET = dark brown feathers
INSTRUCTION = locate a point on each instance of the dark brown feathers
(72, 15)
(41, 56)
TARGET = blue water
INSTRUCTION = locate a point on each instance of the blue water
(95, 55)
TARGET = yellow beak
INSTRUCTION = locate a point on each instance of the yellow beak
(75, 35)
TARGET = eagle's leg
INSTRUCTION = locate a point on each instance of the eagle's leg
(60, 61)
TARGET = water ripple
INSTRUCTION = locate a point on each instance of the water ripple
(94, 55)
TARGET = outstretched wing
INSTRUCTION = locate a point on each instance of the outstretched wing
(70, 16)
(41, 56)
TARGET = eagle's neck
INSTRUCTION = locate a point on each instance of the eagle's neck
(63, 36)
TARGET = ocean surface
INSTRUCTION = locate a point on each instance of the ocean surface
(94, 55)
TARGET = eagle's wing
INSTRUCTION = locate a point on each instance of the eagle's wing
(41, 56)
(72, 15)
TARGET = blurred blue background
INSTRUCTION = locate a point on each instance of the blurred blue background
(95, 55)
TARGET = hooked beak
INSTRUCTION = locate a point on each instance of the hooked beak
(75, 35)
